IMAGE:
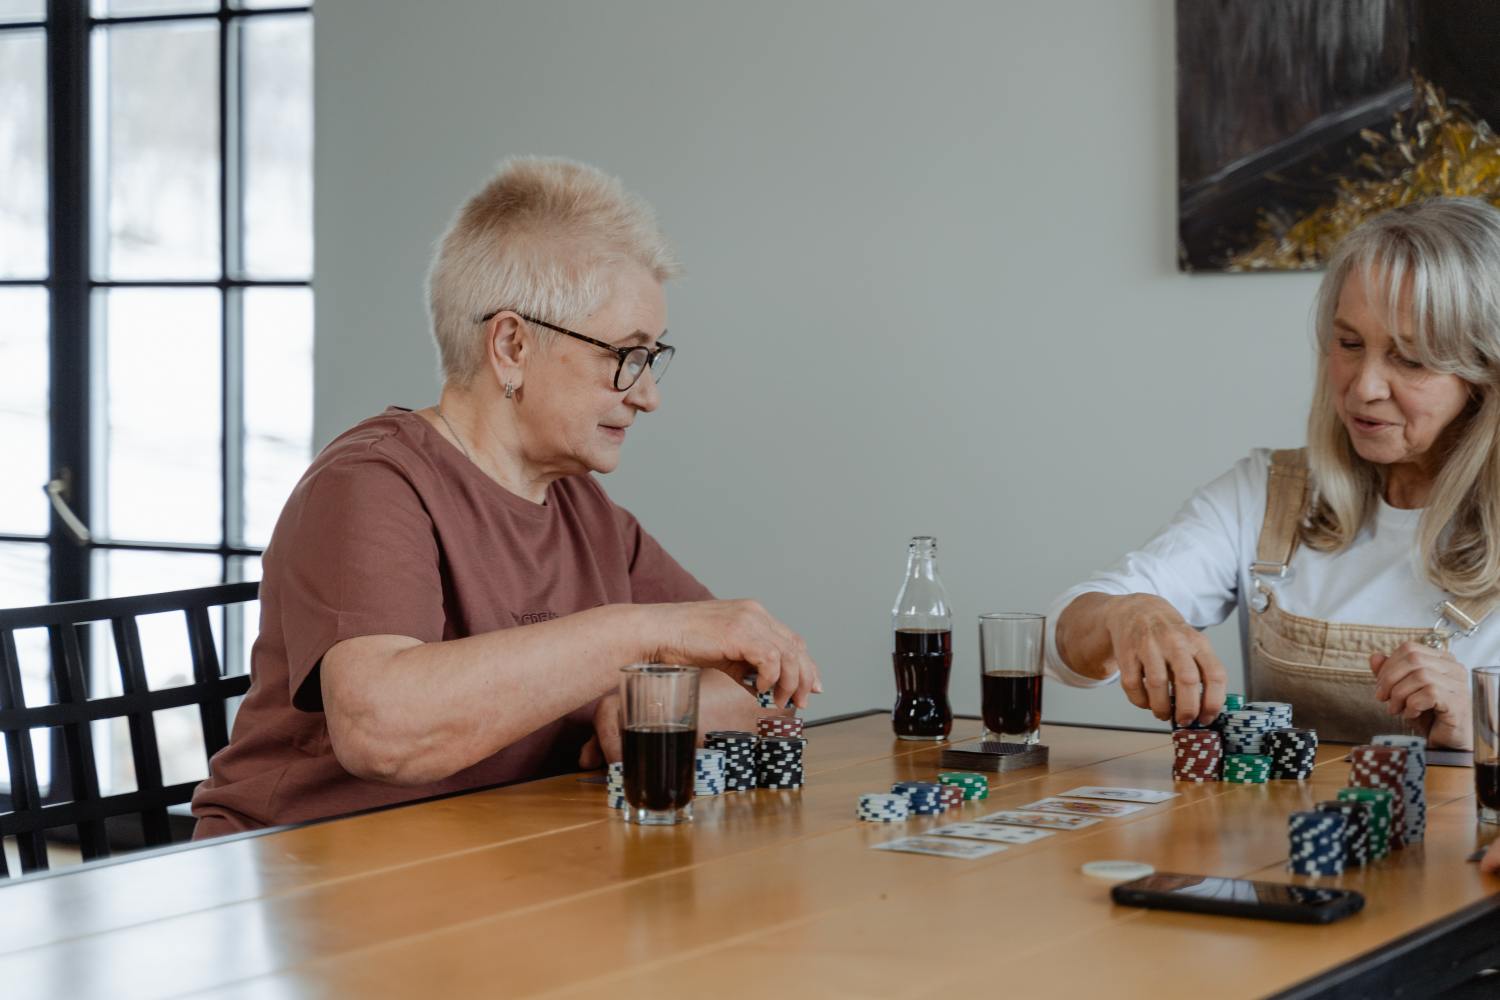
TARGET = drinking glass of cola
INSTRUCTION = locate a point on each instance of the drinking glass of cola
(1486, 681)
(660, 706)
(1010, 664)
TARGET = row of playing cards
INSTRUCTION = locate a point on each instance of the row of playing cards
(1073, 810)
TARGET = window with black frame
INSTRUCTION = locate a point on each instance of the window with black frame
(155, 318)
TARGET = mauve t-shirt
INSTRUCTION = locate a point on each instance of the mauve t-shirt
(392, 531)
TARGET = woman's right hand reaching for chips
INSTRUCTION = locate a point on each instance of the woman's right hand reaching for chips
(1165, 665)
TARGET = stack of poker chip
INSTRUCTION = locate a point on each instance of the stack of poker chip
(1383, 767)
(1357, 818)
(883, 807)
(780, 725)
(926, 797)
(766, 699)
(1247, 768)
(778, 762)
(1197, 755)
(1293, 752)
(953, 797)
(973, 786)
(739, 757)
(617, 785)
(710, 775)
(1414, 784)
(1279, 711)
(1317, 843)
(1195, 724)
(1232, 703)
(1380, 800)
(1245, 731)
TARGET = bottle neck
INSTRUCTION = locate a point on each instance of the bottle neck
(921, 563)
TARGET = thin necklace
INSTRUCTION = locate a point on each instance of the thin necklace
(460, 440)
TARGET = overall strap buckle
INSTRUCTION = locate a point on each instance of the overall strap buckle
(1261, 599)
(1457, 623)
(1279, 570)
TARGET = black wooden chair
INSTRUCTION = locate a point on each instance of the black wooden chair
(29, 817)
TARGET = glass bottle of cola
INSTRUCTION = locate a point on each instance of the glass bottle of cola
(923, 650)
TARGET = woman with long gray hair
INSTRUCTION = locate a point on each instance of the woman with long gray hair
(1364, 565)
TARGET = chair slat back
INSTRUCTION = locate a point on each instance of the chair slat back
(73, 713)
(25, 794)
(72, 689)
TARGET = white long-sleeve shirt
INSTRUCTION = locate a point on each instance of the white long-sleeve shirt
(1200, 564)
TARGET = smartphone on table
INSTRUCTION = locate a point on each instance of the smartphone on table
(1235, 897)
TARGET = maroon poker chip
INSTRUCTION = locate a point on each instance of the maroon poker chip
(1197, 755)
(780, 726)
(1374, 766)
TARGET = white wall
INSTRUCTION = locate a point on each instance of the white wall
(931, 283)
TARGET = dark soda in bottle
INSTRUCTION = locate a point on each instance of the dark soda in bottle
(922, 652)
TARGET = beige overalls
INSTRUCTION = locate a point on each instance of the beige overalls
(1323, 668)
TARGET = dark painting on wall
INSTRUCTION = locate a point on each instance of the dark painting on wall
(1298, 119)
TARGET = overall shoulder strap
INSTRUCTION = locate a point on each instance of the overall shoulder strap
(1286, 501)
(1467, 613)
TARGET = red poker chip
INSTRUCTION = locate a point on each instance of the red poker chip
(779, 726)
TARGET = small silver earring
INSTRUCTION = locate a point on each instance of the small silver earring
(510, 390)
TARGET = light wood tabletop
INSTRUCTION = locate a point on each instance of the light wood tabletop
(541, 889)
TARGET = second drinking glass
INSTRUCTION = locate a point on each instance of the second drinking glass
(1010, 664)
(1486, 681)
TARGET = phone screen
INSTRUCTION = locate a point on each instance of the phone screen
(1236, 890)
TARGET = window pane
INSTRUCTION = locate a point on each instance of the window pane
(163, 440)
(23, 154)
(164, 651)
(278, 402)
(261, 4)
(160, 104)
(12, 11)
(23, 574)
(244, 618)
(23, 583)
(277, 89)
(23, 410)
(128, 8)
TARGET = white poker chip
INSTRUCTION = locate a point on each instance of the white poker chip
(1117, 871)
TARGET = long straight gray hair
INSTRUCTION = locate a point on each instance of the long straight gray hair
(1437, 266)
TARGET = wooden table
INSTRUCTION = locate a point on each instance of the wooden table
(541, 889)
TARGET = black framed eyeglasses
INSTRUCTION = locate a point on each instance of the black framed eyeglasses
(633, 360)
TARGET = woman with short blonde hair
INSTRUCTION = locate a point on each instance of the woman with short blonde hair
(545, 236)
(1364, 565)
(449, 593)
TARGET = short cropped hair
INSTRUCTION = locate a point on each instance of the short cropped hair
(543, 238)
(1434, 268)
